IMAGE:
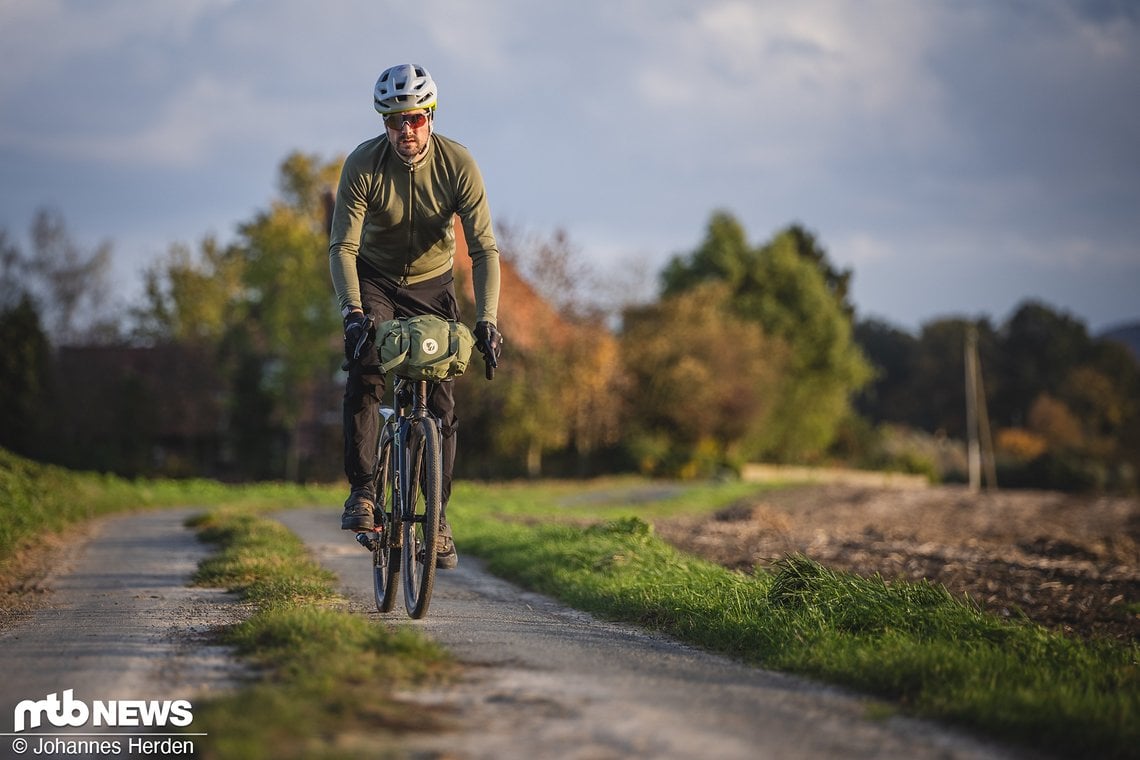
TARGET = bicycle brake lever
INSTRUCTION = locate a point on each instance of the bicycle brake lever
(490, 362)
(362, 341)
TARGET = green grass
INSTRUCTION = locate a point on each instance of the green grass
(35, 497)
(327, 675)
(913, 643)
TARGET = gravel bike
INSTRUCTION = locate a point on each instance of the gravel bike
(408, 486)
(409, 468)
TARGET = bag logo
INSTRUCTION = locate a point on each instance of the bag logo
(429, 346)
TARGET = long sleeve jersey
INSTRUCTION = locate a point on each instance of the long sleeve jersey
(398, 218)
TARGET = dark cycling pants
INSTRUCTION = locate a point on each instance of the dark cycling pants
(385, 298)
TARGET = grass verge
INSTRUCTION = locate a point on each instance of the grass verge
(913, 643)
(326, 675)
(35, 495)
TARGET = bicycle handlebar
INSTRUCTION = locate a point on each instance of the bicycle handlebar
(489, 360)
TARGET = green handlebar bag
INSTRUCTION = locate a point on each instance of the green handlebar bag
(426, 347)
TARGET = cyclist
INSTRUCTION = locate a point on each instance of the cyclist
(391, 252)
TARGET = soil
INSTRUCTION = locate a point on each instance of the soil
(1065, 561)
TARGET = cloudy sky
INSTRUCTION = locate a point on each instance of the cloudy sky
(961, 156)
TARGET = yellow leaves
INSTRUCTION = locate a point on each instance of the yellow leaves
(1021, 444)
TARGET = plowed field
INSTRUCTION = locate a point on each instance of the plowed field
(1068, 562)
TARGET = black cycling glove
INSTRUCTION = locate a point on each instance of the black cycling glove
(489, 341)
(357, 329)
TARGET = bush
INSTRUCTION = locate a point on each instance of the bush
(1054, 472)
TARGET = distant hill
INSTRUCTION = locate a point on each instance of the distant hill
(1128, 334)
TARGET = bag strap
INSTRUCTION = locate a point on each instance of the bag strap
(396, 361)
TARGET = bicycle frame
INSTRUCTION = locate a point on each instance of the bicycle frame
(408, 470)
(409, 395)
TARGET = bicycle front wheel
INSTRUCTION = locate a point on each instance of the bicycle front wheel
(386, 555)
(423, 486)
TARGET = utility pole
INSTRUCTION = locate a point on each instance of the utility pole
(979, 446)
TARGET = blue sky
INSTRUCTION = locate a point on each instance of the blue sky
(961, 156)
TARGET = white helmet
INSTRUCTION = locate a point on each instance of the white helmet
(404, 88)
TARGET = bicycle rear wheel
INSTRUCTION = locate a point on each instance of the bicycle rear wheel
(386, 555)
(424, 485)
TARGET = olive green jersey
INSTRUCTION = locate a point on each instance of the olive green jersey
(397, 217)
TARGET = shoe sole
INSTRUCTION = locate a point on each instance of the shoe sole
(448, 562)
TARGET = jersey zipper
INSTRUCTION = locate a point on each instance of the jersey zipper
(411, 224)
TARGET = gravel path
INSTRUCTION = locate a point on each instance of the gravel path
(118, 622)
(548, 681)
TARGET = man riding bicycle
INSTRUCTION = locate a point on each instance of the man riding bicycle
(391, 252)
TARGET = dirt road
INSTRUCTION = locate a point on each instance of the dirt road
(116, 621)
(543, 680)
(547, 681)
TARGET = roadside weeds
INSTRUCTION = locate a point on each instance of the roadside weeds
(326, 675)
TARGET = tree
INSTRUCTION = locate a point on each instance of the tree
(1039, 347)
(789, 289)
(838, 281)
(307, 184)
(266, 305)
(939, 386)
(288, 302)
(557, 393)
(723, 256)
(704, 381)
(13, 285)
(72, 284)
(67, 283)
(188, 297)
(25, 371)
(892, 353)
(1080, 394)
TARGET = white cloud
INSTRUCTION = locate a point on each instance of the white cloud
(800, 86)
(195, 125)
(42, 38)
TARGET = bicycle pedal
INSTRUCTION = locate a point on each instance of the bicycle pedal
(370, 540)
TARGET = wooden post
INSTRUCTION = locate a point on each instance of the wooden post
(980, 447)
(973, 450)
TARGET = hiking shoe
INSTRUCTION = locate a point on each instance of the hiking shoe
(358, 515)
(446, 558)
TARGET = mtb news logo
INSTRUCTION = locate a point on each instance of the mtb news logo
(71, 712)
